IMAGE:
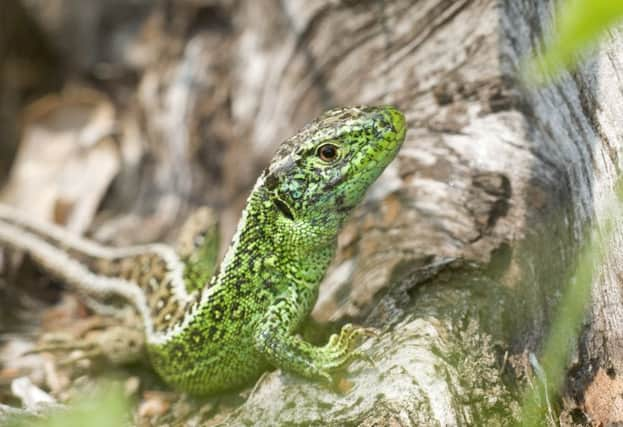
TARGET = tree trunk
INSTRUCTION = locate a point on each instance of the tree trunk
(465, 244)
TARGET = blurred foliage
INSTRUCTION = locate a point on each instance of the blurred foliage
(578, 26)
(537, 407)
(540, 399)
(107, 407)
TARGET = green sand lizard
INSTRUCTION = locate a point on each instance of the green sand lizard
(210, 329)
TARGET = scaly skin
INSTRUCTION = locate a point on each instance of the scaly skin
(206, 338)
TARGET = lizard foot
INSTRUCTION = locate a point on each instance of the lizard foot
(341, 349)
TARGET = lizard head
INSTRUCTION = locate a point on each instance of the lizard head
(320, 174)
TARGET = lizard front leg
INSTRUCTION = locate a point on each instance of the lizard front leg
(276, 339)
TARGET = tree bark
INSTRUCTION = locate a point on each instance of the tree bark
(463, 247)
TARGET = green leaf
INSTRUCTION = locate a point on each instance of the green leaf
(536, 406)
(106, 407)
(578, 26)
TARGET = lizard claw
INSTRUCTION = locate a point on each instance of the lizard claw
(361, 355)
(368, 332)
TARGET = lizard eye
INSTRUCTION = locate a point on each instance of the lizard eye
(327, 152)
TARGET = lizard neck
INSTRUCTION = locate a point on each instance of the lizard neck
(270, 247)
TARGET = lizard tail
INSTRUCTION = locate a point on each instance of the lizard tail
(150, 277)
(52, 249)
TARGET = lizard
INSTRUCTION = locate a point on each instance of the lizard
(206, 335)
